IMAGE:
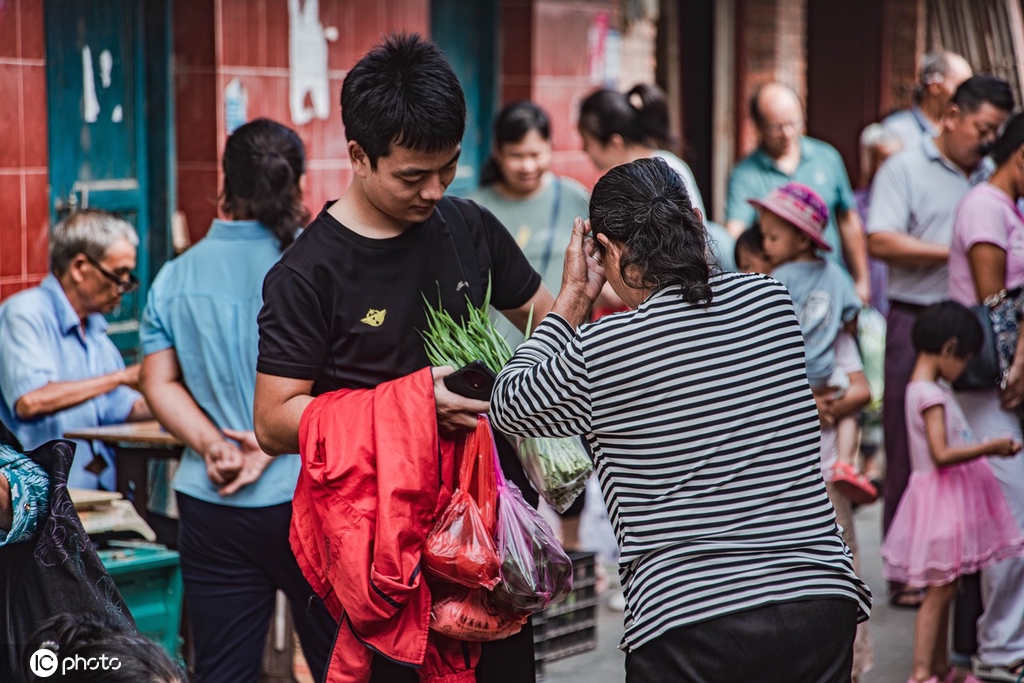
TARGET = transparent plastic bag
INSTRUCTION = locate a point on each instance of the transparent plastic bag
(871, 341)
(557, 467)
(535, 571)
(470, 614)
(460, 548)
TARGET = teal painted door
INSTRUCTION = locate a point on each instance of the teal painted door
(96, 82)
(466, 30)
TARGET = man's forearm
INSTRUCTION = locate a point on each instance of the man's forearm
(57, 396)
(903, 250)
(277, 430)
(855, 249)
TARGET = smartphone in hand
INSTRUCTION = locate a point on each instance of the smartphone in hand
(475, 381)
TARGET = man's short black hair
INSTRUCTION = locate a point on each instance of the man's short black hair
(403, 92)
(977, 90)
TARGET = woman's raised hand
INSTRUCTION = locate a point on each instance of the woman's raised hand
(582, 275)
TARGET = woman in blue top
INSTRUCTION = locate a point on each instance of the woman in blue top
(199, 337)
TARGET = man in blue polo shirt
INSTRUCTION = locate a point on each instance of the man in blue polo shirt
(785, 154)
(59, 370)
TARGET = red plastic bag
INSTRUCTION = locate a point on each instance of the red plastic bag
(470, 614)
(460, 548)
(535, 571)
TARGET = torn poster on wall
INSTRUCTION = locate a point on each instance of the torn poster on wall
(307, 62)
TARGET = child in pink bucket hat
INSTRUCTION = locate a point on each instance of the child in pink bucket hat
(793, 219)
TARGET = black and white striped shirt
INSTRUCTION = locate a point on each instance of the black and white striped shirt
(705, 440)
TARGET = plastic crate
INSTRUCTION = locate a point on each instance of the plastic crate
(149, 579)
(570, 626)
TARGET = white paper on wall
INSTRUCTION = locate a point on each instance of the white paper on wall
(90, 105)
(236, 105)
(307, 62)
(106, 66)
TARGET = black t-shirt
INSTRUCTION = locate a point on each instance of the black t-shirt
(346, 311)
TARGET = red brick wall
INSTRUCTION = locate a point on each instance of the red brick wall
(24, 212)
(545, 60)
(903, 43)
(248, 40)
(771, 46)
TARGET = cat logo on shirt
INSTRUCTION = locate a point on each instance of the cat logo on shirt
(374, 318)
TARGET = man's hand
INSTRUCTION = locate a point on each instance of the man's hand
(254, 461)
(454, 412)
(863, 289)
(130, 376)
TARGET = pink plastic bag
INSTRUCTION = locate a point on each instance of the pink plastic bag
(535, 571)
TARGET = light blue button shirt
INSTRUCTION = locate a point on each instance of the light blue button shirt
(204, 304)
(43, 342)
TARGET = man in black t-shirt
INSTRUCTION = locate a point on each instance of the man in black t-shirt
(344, 307)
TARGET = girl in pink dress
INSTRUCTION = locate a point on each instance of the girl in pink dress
(953, 519)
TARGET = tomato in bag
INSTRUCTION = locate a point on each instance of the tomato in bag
(460, 548)
(470, 614)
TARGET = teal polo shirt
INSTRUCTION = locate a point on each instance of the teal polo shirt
(820, 168)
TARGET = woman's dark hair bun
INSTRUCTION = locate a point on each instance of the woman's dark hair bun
(263, 162)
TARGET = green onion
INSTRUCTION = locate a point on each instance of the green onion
(449, 342)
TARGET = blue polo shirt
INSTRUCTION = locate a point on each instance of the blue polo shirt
(204, 304)
(43, 342)
(910, 126)
(820, 168)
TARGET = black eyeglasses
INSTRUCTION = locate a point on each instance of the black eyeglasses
(125, 285)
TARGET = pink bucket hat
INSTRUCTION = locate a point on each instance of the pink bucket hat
(802, 207)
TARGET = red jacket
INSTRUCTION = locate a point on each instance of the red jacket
(375, 476)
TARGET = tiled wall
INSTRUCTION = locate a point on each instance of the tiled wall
(217, 41)
(771, 45)
(24, 216)
(545, 59)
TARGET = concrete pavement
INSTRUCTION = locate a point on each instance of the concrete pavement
(892, 630)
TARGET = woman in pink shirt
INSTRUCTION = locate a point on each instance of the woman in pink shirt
(987, 256)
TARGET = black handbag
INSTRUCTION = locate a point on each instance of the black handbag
(57, 572)
(999, 317)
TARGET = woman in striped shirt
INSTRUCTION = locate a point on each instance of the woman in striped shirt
(705, 440)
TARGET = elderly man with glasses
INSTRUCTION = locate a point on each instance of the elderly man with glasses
(785, 154)
(58, 368)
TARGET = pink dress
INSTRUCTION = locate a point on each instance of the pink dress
(952, 520)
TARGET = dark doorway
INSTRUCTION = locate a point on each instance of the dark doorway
(694, 32)
(844, 66)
